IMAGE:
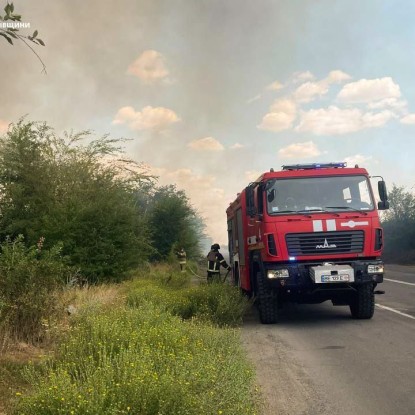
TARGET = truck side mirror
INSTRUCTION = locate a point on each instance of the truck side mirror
(383, 205)
(250, 200)
(383, 194)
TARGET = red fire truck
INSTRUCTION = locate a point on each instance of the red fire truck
(307, 234)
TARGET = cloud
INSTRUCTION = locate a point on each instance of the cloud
(299, 150)
(308, 91)
(255, 98)
(395, 104)
(283, 112)
(150, 67)
(4, 126)
(369, 90)
(149, 118)
(334, 120)
(381, 97)
(373, 120)
(408, 119)
(358, 159)
(237, 146)
(337, 76)
(302, 77)
(274, 86)
(281, 116)
(206, 144)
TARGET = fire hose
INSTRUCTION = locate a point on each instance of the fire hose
(198, 276)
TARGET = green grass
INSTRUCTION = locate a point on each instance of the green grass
(11, 379)
(217, 303)
(149, 356)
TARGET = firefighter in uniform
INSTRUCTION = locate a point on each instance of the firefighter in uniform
(181, 256)
(215, 261)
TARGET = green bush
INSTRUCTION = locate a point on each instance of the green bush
(76, 190)
(28, 277)
(143, 361)
(220, 304)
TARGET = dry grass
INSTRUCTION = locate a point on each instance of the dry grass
(14, 355)
(12, 362)
(89, 298)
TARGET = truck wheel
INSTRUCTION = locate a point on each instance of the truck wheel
(362, 305)
(268, 304)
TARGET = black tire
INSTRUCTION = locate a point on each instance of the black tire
(268, 304)
(362, 305)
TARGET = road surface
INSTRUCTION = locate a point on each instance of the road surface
(319, 361)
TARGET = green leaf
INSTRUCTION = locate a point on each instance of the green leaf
(12, 7)
(34, 34)
(41, 42)
(7, 38)
(7, 9)
(10, 33)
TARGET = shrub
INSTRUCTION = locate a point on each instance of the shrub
(217, 303)
(28, 276)
(78, 190)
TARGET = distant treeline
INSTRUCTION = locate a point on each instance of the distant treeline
(399, 227)
(105, 212)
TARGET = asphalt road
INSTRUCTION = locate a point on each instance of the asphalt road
(317, 360)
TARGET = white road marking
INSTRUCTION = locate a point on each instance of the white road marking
(395, 311)
(400, 282)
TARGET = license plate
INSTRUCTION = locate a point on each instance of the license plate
(335, 278)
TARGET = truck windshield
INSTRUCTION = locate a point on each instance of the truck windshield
(314, 194)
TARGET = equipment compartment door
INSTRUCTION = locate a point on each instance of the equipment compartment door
(240, 237)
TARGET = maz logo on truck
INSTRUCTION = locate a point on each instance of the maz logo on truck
(326, 245)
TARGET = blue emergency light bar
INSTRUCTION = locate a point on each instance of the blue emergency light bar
(310, 166)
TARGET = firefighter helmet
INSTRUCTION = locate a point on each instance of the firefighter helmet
(215, 247)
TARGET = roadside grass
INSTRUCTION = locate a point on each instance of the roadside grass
(153, 345)
(11, 376)
(16, 355)
(217, 303)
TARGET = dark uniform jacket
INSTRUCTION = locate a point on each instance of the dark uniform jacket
(215, 260)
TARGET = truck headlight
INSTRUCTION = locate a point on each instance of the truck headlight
(375, 269)
(274, 274)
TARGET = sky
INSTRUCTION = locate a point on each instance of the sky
(212, 93)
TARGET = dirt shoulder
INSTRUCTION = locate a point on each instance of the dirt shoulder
(286, 388)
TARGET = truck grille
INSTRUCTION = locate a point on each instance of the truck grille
(320, 243)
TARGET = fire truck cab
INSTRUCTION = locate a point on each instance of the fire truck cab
(307, 234)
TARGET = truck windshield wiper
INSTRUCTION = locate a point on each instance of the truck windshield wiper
(291, 211)
(317, 210)
(346, 207)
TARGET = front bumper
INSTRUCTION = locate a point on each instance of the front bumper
(300, 277)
